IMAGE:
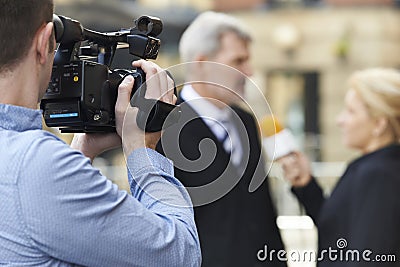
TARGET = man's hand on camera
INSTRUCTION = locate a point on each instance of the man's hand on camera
(93, 144)
(159, 86)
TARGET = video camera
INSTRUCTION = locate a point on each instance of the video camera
(82, 92)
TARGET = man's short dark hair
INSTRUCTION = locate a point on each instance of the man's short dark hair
(19, 22)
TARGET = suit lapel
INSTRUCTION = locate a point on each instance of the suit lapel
(199, 127)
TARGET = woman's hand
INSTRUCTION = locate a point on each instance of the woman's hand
(296, 169)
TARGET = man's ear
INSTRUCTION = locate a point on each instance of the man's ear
(382, 125)
(43, 42)
(201, 58)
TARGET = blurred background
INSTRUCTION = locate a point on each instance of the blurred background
(303, 53)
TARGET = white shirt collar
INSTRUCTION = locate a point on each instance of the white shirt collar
(209, 113)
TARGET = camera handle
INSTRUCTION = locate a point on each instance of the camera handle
(154, 115)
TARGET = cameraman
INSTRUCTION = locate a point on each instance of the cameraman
(56, 209)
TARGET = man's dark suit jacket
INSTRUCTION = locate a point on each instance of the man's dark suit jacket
(363, 211)
(235, 227)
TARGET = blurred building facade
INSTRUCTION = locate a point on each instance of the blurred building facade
(304, 56)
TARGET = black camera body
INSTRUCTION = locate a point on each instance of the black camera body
(82, 93)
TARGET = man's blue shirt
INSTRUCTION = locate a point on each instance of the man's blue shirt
(57, 210)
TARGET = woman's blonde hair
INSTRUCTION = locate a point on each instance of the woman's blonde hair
(379, 88)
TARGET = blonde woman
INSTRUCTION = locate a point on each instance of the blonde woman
(359, 223)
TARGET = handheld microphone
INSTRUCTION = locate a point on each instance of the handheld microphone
(278, 141)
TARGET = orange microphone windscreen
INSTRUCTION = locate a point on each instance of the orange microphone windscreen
(270, 126)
